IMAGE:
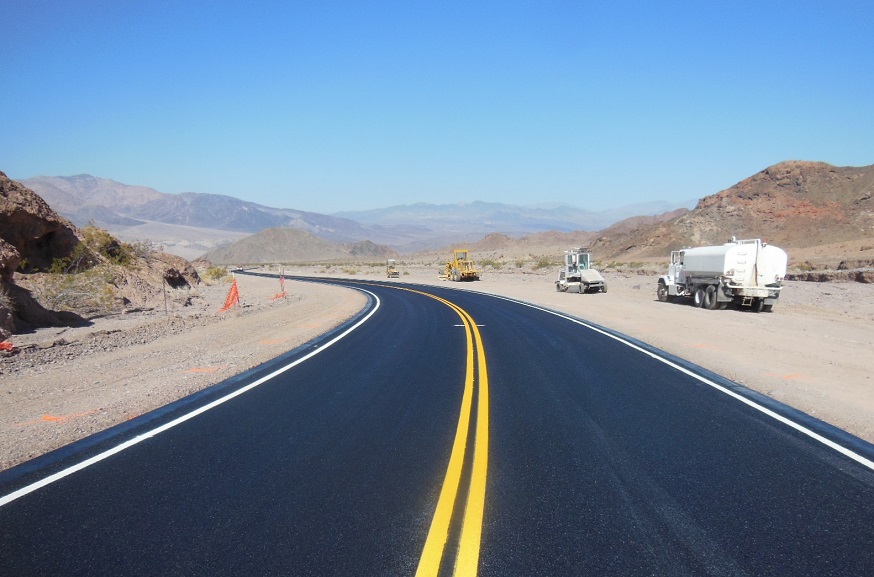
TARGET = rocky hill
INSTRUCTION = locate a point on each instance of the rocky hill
(31, 235)
(286, 245)
(54, 274)
(792, 204)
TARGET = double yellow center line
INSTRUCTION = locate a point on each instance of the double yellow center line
(476, 379)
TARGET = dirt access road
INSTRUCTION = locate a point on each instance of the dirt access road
(813, 352)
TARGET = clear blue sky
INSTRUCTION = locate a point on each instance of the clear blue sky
(327, 106)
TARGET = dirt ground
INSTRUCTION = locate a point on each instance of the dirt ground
(813, 352)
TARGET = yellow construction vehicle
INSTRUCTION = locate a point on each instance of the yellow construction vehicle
(461, 267)
(390, 270)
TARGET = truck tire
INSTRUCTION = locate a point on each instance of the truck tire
(604, 288)
(710, 302)
(767, 308)
(557, 287)
(661, 292)
(698, 297)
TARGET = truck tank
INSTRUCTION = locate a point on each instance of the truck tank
(747, 263)
(772, 265)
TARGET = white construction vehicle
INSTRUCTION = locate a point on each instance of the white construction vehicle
(391, 270)
(577, 275)
(748, 273)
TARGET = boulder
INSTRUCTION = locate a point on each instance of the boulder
(36, 231)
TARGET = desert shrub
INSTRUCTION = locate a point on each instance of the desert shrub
(490, 262)
(101, 242)
(6, 301)
(215, 273)
(142, 248)
(520, 263)
(88, 289)
(805, 266)
(543, 262)
(80, 259)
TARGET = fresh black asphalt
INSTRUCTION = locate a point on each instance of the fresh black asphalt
(602, 461)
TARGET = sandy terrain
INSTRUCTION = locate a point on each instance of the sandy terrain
(813, 352)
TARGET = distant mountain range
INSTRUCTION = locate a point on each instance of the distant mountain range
(189, 224)
(482, 218)
(793, 204)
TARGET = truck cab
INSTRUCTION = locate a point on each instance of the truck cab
(576, 274)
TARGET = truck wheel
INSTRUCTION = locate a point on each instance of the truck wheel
(557, 288)
(583, 288)
(699, 297)
(759, 305)
(604, 288)
(710, 298)
(661, 292)
(767, 308)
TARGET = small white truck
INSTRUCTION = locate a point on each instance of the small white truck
(576, 275)
(748, 273)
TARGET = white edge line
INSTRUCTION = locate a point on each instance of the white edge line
(169, 425)
(786, 421)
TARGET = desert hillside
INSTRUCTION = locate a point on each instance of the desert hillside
(822, 214)
(795, 205)
(55, 274)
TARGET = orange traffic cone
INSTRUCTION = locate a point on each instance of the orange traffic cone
(233, 297)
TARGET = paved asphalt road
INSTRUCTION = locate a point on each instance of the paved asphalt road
(470, 430)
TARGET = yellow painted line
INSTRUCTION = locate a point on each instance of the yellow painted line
(467, 561)
(467, 557)
(435, 543)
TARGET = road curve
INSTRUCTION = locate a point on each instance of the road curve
(566, 450)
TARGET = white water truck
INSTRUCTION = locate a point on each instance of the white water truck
(748, 273)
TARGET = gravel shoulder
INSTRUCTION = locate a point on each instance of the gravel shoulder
(813, 352)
